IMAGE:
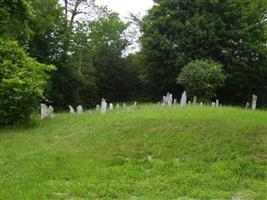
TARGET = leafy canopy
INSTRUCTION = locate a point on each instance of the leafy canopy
(201, 78)
(22, 82)
(230, 32)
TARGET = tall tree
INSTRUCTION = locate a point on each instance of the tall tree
(230, 32)
(107, 43)
(14, 20)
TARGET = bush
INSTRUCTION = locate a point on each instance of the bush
(201, 78)
(22, 82)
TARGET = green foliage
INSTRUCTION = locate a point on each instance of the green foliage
(22, 82)
(97, 58)
(197, 153)
(201, 78)
(15, 16)
(49, 32)
(230, 32)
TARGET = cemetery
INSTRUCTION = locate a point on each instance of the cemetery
(124, 99)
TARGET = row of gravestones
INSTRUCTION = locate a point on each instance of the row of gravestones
(170, 101)
(167, 100)
(47, 112)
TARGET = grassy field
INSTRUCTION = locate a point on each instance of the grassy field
(151, 152)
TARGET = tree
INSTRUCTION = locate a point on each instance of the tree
(230, 32)
(201, 78)
(107, 43)
(22, 82)
(14, 20)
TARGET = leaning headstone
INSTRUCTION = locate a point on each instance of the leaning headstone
(254, 102)
(111, 106)
(44, 111)
(79, 110)
(183, 100)
(194, 100)
(72, 111)
(217, 103)
(103, 108)
(247, 105)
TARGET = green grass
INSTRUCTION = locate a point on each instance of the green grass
(197, 153)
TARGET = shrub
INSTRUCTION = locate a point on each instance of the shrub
(201, 78)
(22, 82)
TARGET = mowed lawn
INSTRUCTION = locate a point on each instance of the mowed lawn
(151, 152)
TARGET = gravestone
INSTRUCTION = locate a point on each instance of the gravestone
(213, 104)
(183, 100)
(254, 102)
(217, 103)
(194, 100)
(79, 110)
(111, 106)
(247, 105)
(165, 100)
(135, 104)
(124, 105)
(103, 108)
(44, 111)
(175, 102)
(189, 102)
(201, 104)
(169, 99)
(118, 106)
(50, 111)
(72, 111)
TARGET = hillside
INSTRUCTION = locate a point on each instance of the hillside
(151, 152)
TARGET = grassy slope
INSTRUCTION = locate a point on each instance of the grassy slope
(200, 153)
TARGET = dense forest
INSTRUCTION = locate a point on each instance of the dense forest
(75, 52)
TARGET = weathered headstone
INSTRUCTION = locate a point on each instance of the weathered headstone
(135, 104)
(79, 110)
(217, 103)
(175, 102)
(247, 105)
(169, 100)
(201, 104)
(189, 102)
(111, 106)
(103, 109)
(254, 102)
(118, 106)
(183, 100)
(50, 111)
(72, 111)
(194, 100)
(44, 111)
